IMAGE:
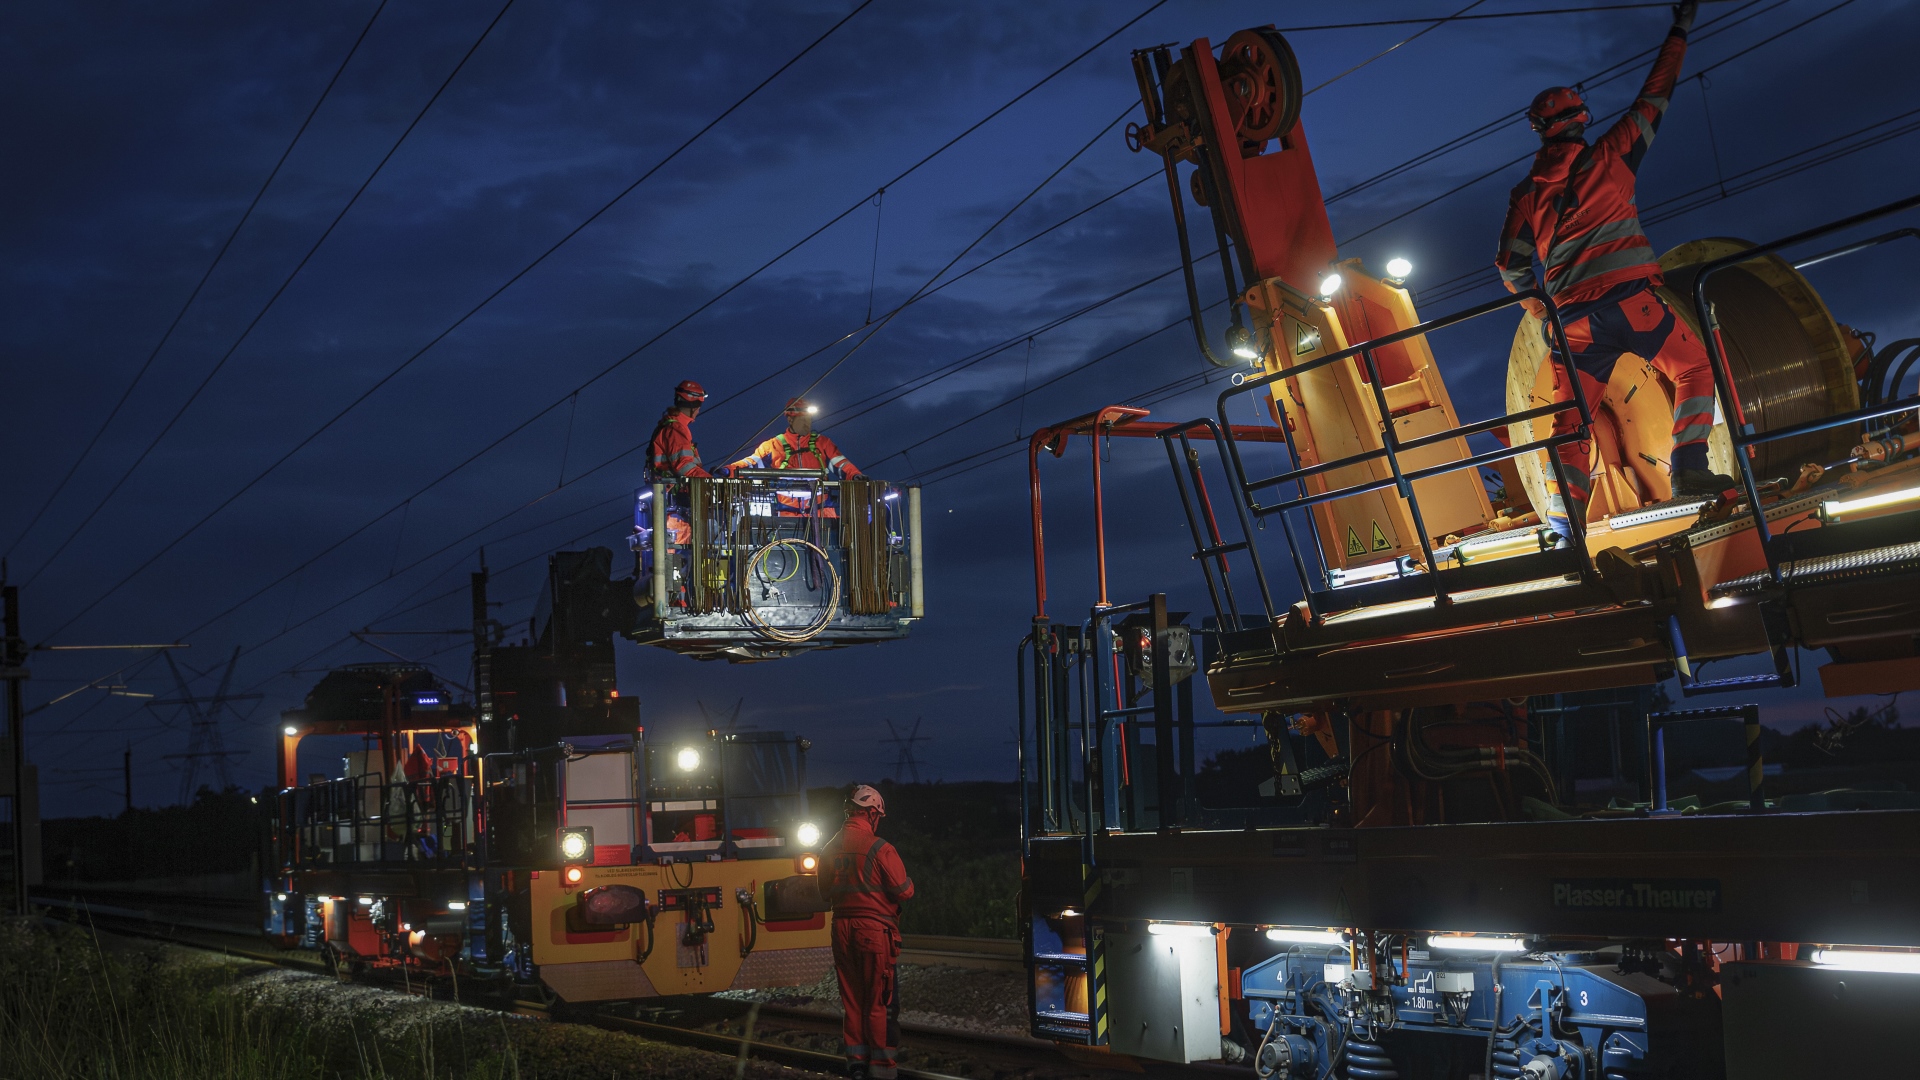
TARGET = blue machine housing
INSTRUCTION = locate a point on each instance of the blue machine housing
(1560, 1015)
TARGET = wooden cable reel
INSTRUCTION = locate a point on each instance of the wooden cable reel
(1789, 363)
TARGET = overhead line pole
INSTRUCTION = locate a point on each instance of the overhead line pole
(13, 655)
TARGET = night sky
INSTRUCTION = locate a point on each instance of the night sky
(137, 136)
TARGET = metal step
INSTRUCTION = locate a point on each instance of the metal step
(1871, 562)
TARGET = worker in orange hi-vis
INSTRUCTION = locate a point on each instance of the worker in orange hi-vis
(800, 447)
(673, 456)
(1576, 216)
(865, 881)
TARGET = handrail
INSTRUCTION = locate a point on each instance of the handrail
(1401, 480)
(436, 808)
(1743, 435)
(752, 509)
(1216, 549)
(1109, 421)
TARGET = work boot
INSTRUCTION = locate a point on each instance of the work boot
(1700, 484)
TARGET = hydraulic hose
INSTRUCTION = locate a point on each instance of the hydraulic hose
(1438, 765)
(640, 957)
(750, 916)
(1493, 1029)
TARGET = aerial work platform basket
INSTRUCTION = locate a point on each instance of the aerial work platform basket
(768, 563)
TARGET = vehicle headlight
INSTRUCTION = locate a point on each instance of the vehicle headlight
(808, 834)
(576, 844)
(688, 759)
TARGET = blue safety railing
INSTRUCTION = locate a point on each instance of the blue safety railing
(1402, 480)
(1756, 766)
(1744, 437)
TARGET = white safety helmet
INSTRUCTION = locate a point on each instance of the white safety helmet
(866, 797)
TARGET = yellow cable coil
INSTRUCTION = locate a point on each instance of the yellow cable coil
(820, 621)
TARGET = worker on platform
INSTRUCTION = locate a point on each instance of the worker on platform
(865, 881)
(673, 455)
(800, 447)
(1575, 214)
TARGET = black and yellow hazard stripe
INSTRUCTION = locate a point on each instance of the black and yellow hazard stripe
(1096, 939)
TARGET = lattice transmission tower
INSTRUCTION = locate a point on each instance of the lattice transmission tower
(203, 714)
(905, 761)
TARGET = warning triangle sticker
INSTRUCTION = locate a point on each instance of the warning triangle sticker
(1354, 546)
(1305, 338)
(1380, 539)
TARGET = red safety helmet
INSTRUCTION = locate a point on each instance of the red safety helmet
(865, 797)
(1555, 109)
(689, 393)
(801, 405)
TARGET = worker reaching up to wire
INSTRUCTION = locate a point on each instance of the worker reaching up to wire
(800, 447)
(865, 882)
(1576, 216)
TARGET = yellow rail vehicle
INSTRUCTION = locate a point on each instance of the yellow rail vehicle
(684, 869)
(541, 839)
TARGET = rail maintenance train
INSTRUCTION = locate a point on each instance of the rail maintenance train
(541, 840)
(1416, 891)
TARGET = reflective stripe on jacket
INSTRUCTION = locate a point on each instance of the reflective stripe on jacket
(781, 452)
(862, 876)
(673, 454)
(1575, 212)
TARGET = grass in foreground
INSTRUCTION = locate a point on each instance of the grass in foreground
(76, 1006)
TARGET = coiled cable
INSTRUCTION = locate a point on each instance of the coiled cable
(756, 565)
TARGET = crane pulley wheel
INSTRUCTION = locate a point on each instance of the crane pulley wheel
(1261, 78)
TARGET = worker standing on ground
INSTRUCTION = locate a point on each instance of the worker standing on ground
(673, 455)
(800, 447)
(865, 881)
(1575, 214)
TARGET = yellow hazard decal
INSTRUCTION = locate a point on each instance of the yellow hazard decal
(1380, 538)
(1354, 546)
(1305, 338)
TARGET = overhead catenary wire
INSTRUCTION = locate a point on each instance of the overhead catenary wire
(1703, 32)
(254, 322)
(290, 626)
(1505, 166)
(219, 255)
(1717, 64)
(907, 172)
(970, 271)
(395, 372)
(1664, 210)
(613, 523)
(637, 350)
(919, 295)
(950, 264)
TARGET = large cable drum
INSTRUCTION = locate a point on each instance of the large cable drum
(1789, 359)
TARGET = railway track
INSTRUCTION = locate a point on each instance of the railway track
(787, 1035)
(237, 912)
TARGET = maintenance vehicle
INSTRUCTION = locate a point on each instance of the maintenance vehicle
(541, 840)
(1423, 886)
